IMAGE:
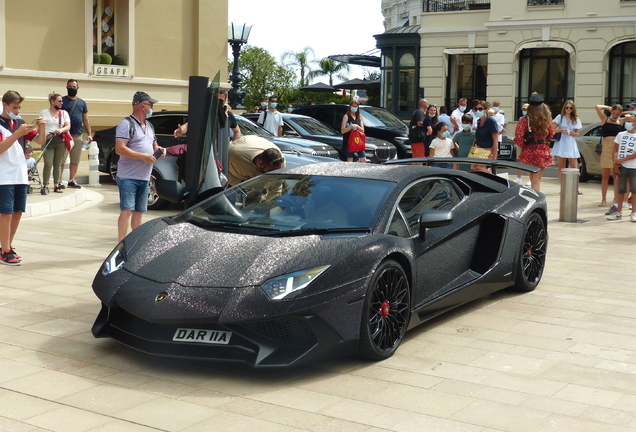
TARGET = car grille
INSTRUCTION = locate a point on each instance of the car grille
(326, 153)
(286, 331)
(385, 152)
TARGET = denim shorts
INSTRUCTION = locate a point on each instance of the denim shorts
(623, 175)
(360, 154)
(133, 194)
(13, 198)
(443, 165)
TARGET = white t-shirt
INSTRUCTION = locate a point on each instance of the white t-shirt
(13, 168)
(272, 122)
(501, 122)
(52, 123)
(626, 147)
(442, 147)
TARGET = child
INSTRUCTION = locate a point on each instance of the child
(464, 139)
(28, 155)
(441, 146)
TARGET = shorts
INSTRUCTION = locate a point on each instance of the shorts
(133, 194)
(418, 150)
(623, 175)
(76, 151)
(443, 165)
(13, 198)
(360, 154)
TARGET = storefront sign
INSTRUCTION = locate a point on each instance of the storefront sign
(111, 71)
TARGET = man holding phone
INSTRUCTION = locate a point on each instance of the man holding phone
(137, 147)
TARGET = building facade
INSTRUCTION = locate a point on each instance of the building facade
(161, 43)
(507, 50)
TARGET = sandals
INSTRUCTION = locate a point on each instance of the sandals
(57, 189)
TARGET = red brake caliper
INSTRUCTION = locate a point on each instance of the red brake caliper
(385, 309)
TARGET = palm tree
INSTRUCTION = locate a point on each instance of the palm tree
(300, 60)
(331, 68)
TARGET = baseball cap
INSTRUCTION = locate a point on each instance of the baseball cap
(28, 147)
(143, 96)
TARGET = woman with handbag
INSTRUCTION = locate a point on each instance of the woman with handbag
(532, 135)
(57, 123)
(486, 136)
(352, 121)
(610, 127)
(430, 120)
(567, 126)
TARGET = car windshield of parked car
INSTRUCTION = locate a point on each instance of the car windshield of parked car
(312, 126)
(249, 128)
(293, 205)
(379, 117)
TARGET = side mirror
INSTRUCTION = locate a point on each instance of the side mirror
(434, 219)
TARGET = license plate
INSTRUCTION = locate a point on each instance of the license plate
(215, 337)
(504, 152)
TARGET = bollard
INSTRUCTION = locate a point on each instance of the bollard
(569, 195)
(66, 172)
(93, 164)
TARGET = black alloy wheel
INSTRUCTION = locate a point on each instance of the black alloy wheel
(386, 312)
(154, 202)
(533, 253)
(584, 176)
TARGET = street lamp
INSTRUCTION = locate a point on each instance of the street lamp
(237, 35)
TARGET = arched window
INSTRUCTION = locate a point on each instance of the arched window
(622, 74)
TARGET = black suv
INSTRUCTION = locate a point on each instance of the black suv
(378, 123)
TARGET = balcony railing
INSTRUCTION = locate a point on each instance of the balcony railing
(545, 2)
(454, 5)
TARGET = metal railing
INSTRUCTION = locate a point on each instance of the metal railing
(454, 5)
(545, 2)
(624, 101)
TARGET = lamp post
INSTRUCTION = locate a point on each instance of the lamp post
(237, 35)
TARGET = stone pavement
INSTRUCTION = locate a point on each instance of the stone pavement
(562, 358)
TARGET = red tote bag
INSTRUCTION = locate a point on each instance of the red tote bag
(357, 141)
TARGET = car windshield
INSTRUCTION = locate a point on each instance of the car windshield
(249, 128)
(314, 127)
(293, 205)
(379, 117)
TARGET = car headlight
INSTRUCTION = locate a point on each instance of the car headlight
(115, 260)
(283, 286)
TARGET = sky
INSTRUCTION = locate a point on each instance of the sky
(328, 26)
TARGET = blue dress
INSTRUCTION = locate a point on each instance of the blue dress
(566, 147)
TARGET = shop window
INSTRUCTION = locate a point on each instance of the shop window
(466, 78)
(622, 74)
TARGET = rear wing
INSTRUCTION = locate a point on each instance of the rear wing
(493, 164)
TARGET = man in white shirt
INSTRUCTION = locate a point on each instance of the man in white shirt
(499, 118)
(456, 115)
(271, 119)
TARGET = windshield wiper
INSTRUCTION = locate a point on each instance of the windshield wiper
(236, 226)
(319, 231)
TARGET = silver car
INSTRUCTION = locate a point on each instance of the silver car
(590, 161)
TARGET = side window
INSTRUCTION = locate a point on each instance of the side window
(438, 194)
(594, 132)
(288, 130)
(398, 225)
(165, 125)
(325, 116)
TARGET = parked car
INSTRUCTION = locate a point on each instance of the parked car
(378, 123)
(339, 262)
(507, 149)
(300, 126)
(165, 123)
(590, 161)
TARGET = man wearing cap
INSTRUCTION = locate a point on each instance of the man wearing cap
(135, 143)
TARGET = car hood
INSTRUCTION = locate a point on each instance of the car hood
(300, 142)
(192, 256)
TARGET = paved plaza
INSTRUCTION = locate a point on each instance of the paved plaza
(562, 358)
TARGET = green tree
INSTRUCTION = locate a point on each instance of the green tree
(331, 69)
(300, 60)
(262, 76)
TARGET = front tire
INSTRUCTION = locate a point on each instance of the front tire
(154, 202)
(532, 258)
(386, 312)
(584, 176)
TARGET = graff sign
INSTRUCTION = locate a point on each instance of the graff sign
(111, 71)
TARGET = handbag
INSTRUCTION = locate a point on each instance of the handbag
(66, 136)
(479, 153)
(357, 141)
(599, 147)
(529, 139)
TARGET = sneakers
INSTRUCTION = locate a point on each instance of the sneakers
(613, 209)
(517, 180)
(18, 257)
(615, 216)
(529, 183)
(60, 185)
(9, 259)
(73, 184)
(632, 217)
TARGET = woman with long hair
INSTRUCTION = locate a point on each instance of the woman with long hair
(568, 125)
(610, 127)
(487, 132)
(57, 122)
(532, 134)
(352, 121)
(430, 120)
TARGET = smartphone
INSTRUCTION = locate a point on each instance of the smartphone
(158, 153)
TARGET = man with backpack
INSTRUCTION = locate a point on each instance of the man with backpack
(78, 112)
(137, 147)
(271, 119)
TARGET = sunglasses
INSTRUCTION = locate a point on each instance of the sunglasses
(479, 109)
(278, 161)
(568, 108)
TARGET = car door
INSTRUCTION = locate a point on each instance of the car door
(443, 258)
(587, 147)
(165, 126)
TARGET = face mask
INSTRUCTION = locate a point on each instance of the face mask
(524, 112)
(72, 92)
(149, 113)
(13, 116)
(431, 115)
(56, 107)
(462, 108)
(290, 109)
(479, 114)
(446, 134)
(466, 127)
(273, 104)
(263, 103)
(629, 126)
(354, 109)
(495, 109)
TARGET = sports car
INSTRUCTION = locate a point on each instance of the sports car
(317, 261)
